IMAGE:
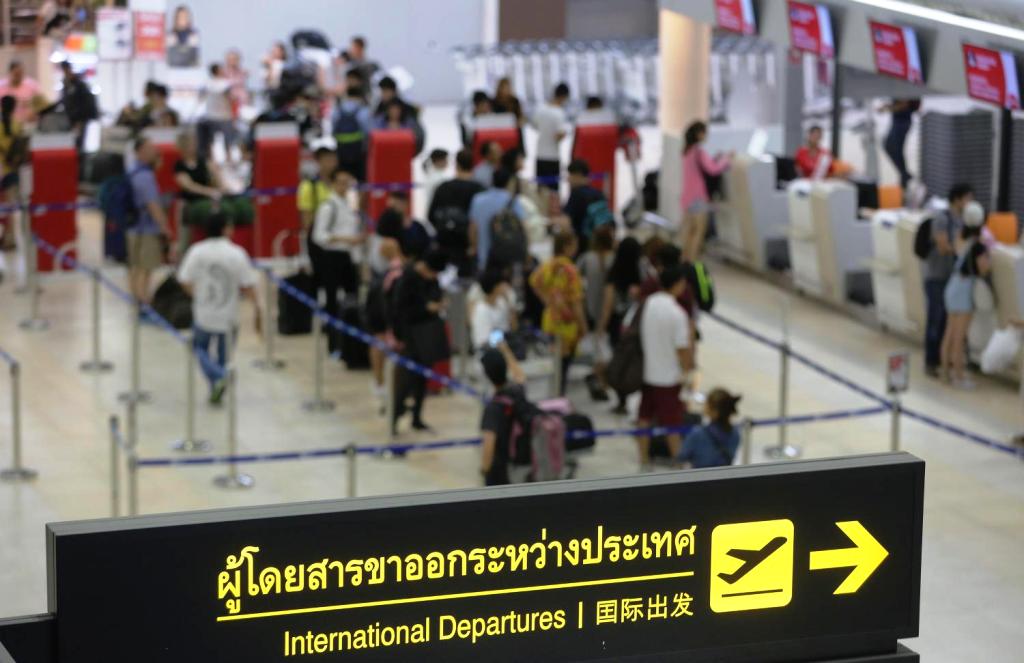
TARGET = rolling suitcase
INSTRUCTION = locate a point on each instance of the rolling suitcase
(354, 352)
(294, 317)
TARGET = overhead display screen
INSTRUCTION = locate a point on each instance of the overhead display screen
(992, 76)
(736, 16)
(896, 52)
(810, 29)
(803, 560)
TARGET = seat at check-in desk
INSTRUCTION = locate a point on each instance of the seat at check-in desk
(754, 212)
(896, 277)
(828, 244)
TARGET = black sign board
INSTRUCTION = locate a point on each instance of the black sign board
(814, 559)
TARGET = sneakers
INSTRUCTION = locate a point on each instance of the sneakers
(217, 393)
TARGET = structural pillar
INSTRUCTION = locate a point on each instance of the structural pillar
(685, 46)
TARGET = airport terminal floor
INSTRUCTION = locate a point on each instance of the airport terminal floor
(972, 581)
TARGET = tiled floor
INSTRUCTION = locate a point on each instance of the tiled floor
(973, 582)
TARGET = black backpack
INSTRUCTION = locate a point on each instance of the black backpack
(924, 240)
(508, 237)
(625, 372)
(452, 226)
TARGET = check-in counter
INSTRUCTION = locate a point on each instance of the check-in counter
(829, 245)
(896, 277)
(755, 211)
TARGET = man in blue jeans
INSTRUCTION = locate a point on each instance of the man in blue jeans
(938, 267)
(217, 273)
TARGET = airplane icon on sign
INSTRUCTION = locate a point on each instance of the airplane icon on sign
(751, 559)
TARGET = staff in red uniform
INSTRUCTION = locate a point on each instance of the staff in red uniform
(809, 155)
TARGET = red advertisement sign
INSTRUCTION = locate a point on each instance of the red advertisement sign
(736, 16)
(896, 52)
(810, 29)
(149, 36)
(992, 76)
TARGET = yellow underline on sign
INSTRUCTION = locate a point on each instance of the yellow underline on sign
(460, 595)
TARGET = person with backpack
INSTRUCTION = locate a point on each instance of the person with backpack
(713, 444)
(337, 233)
(500, 414)
(558, 284)
(621, 293)
(935, 245)
(351, 126)
(147, 228)
(587, 208)
(449, 212)
(667, 357)
(497, 224)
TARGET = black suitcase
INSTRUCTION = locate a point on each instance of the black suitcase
(578, 422)
(294, 317)
(354, 352)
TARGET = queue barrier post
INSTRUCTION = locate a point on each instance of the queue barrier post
(131, 449)
(115, 467)
(747, 439)
(17, 471)
(33, 322)
(390, 369)
(896, 410)
(135, 394)
(784, 450)
(350, 453)
(233, 478)
(189, 443)
(96, 364)
(268, 362)
(556, 366)
(318, 403)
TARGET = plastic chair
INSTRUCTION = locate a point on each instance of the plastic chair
(1003, 226)
(890, 196)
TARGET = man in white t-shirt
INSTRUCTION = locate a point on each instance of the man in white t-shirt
(668, 355)
(216, 272)
(338, 232)
(552, 127)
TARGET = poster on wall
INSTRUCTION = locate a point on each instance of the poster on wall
(149, 36)
(736, 16)
(896, 52)
(183, 39)
(992, 76)
(114, 33)
(810, 29)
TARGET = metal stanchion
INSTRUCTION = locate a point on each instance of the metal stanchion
(189, 443)
(784, 450)
(350, 453)
(268, 362)
(16, 472)
(115, 467)
(33, 322)
(135, 394)
(131, 449)
(133, 482)
(896, 409)
(556, 367)
(233, 478)
(96, 364)
(747, 439)
(318, 403)
(389, 396)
